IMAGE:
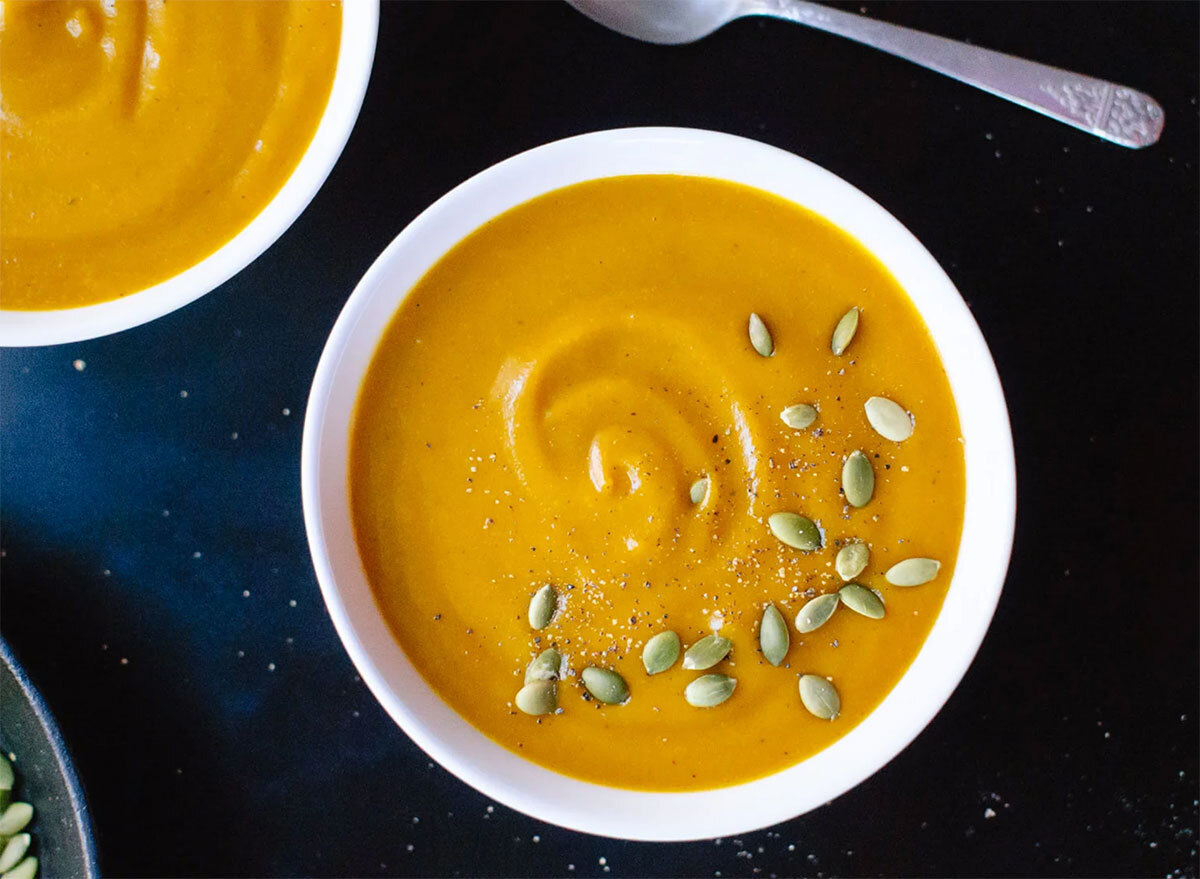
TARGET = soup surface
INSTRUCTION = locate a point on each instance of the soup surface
(537, 412)
(136, 138)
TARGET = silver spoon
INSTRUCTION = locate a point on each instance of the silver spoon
(1114, 112)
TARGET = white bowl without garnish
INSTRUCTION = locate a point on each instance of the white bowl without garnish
(988, 524)
(356, 51)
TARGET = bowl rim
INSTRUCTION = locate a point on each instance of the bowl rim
(971, 599)
(356, 53)
(62, 756)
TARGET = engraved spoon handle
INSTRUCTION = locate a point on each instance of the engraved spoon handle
(1114, 112)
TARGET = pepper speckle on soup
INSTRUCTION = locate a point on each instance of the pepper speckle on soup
(632, 407)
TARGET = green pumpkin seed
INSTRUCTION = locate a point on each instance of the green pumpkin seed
(844, 332)
(760, 336)
(888, 419)
(799, 416)
(698, 490)
(709, 691)
(852, 560)
(7, 779)
(820, 697)
(15, 818)
(816, 613)
(538, 697)
(862, 600)
(707, 652)
(27, 869)
(795, 530)
(912, 572)
(545, 666)
(773, 637)
(606, 685)
(542, 607)
(858, 479)
(660, 652)
(14, 851)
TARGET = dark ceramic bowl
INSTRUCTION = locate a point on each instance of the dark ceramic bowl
(46, 779)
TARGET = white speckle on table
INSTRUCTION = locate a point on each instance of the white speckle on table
(270, 666)
(166, 513)
(989, 812)
(183, 395)
(80, 365)
(245, 593)
(286, 411)
(197, 554)
(233, 435)
(292, 603)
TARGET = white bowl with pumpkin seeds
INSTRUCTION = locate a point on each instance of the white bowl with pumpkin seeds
(982, 561)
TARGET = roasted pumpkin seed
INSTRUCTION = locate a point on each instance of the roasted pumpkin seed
(798, 416)
(707, 652)
(852, 560)
(844, 332)
(606, 685)
(538, 697)
(27, 869)
(816, 613)
(760, 336)
(795, 530)
(912, 572)
(820, 697)
(888, 419)
(709, 691)
(660, 652)
(862, 600)
(15, 817)
(545, 666)
(858, 479)
(13, 851)
(542, 607)
(773, 637)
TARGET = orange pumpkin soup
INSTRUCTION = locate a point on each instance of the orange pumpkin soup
(136, 138)
(541, 412)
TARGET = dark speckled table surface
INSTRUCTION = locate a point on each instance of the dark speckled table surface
(156, 579)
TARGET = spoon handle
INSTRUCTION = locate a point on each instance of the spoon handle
(1114, 112)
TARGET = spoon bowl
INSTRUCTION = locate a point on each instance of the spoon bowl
(666, 22)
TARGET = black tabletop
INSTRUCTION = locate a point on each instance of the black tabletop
(156, 578)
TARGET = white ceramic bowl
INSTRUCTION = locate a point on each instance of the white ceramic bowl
(461, 748)
(360, 24)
